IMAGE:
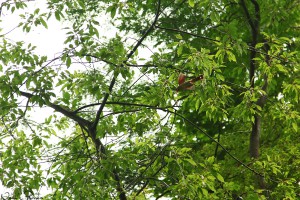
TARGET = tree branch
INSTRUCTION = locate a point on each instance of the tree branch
(153, 159)
(113, 81)
(188, 33)
(147, 182)
(250, 48)
(61, 110)
(254, 25)
(220, 145)
(250, 22)
(93, 127)
(125, 104)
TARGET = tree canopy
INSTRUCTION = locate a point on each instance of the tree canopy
(152, 99)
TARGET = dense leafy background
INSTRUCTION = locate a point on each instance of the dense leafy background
(118, 129)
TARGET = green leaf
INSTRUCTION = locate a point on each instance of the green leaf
(191, 3)
(191, 161)
(281, 68)
(57, 15)
(179, 50)
(295, 127)
(36, 11)
(215, 16)
(231, 56)
(178, 36)
(220, 178)
(68, 61)
(204, 192)
(81, 3)
(44, 23)
(211, 160)
(259, 45)
(112, 9)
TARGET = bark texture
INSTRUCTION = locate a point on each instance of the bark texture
(254, 23)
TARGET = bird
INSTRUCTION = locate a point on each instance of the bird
(187, 85)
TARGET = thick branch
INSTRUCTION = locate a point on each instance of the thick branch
(61, 110)
(113, 81)
(250, 22)
(254, 25)
(256, 126)
(93, 127)
(122, 194)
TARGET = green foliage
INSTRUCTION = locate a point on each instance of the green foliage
(104, 120)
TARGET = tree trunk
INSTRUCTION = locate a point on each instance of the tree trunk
(254, 22)
(254, 137)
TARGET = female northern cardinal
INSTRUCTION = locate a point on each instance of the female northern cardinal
(181, 78)
(188, 85)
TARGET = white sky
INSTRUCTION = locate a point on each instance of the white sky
(48, 41)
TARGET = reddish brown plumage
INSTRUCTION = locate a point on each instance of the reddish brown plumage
(181, 78)
(188, 85)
